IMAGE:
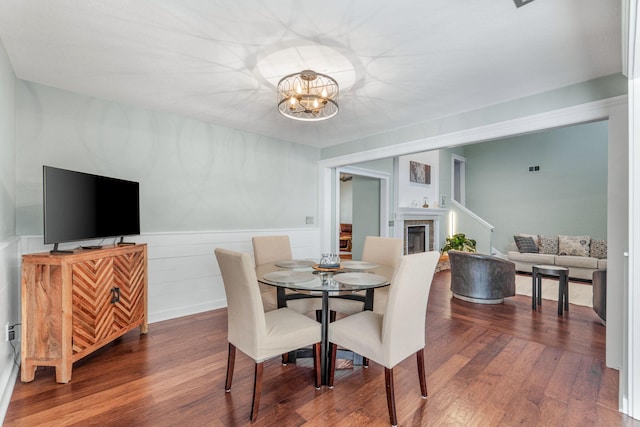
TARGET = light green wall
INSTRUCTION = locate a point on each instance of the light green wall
(445, 185)
(385, 166)
(598, 89)
(567, 196)
(366, 212)
(193, 175)
(7, 147)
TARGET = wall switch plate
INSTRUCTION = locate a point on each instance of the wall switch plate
(309, 220)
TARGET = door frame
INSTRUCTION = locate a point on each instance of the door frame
(462, 160)
(384, 198)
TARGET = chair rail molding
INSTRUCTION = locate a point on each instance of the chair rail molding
(183, 274)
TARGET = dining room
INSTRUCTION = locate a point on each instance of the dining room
(181, 99)
(552, 376)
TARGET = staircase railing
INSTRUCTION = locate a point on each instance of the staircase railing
(462, 220)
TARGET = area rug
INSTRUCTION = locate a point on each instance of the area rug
(579, 293)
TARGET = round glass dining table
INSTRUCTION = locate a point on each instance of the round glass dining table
(348, 282)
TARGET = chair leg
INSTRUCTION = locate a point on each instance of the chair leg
(231, 361)
(365, 362)
(257, 390)
(421, 374)
(391, 398)
(332, 364)
(316, 365)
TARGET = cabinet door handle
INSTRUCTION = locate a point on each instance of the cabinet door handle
(116, 295)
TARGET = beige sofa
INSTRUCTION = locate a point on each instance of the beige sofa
(581, 254)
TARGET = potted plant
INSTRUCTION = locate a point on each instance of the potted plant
(459, 242)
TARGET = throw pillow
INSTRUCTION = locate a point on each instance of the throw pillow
(574, 245)
(599, 249)
(525, 244)
(533, 236)
(549, 245)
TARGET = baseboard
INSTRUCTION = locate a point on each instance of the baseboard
(7, 382)
(186, 311)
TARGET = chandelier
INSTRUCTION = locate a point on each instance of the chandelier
(308, 96)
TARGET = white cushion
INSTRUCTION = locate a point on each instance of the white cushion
(287, 330)
(574, 245)
(362, 333)
(532, 258)
(576, 261)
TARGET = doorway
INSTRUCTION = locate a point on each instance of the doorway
(362, 201)
(458, 178)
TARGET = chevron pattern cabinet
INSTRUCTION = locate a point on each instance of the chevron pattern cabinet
(73, 304)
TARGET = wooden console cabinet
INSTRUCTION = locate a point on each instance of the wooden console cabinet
(73, 304)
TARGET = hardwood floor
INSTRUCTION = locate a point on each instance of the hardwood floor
(486, 365)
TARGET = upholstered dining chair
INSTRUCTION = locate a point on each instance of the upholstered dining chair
(268, 249)
(376, 250)
(257, 334)
(389, 338)
(382, 250)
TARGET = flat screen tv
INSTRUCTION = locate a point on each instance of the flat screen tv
(82, 206)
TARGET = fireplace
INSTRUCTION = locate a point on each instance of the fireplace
(417, 239)
(418, 236)
(419, 228)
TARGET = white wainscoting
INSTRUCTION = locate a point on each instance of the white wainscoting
(184, 277)
(9, 313)
(183, 273)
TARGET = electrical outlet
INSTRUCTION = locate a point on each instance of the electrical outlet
(9, 332)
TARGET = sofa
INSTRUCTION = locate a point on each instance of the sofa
(480, 278)
(581, 254)
(600, 294)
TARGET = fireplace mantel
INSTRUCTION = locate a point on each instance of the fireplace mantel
(426, 213)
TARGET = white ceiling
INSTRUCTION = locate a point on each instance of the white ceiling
(398, 63)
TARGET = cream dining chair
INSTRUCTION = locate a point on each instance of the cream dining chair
(389, 338)
(268, 249)
(257, 334)
(376, 250)
(386, 251)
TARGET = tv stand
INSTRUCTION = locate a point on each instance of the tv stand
(74, 304)
(92, 247)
